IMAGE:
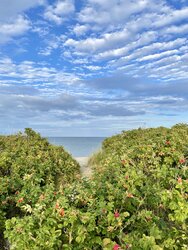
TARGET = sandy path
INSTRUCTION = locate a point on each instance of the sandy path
(85, 169)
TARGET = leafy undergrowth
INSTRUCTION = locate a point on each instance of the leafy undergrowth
(136, 199)
(28, 166)
(144, 173)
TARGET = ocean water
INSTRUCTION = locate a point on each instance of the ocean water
(78, 146)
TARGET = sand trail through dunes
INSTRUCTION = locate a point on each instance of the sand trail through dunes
(86, 171)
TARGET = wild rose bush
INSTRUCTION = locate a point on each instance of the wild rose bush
(151, 165)
(136, 199)
(28, 163)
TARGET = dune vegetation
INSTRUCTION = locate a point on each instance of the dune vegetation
(30, 168)
(135, 199)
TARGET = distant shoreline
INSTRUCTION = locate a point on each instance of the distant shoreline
(78, 146)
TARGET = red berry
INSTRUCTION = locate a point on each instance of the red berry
(116, 247)
(62, 212)
(123, 162)
(57, 205)
(129, 195)
(182, 161)
(179, 180)
(167, 142)
(116, 214)
(20, 200)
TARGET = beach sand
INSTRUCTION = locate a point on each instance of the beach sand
(85, 169)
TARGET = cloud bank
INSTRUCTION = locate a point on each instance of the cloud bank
(92, 67)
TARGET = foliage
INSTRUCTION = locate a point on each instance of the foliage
(146, 169)
(136, 199)
(28, 163)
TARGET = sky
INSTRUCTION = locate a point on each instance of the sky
(92, 67)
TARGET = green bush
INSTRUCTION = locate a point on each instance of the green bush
(145, 171)
(28, 164)
(136, 199)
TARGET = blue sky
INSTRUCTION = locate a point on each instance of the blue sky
(92, 67)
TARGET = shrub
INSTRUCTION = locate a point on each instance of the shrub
(136, 199)
(28, 164)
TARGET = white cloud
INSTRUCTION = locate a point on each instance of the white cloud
(169, 67)
(158, 55)
(51, 44)
(64, 7)
(10, 9)
(93, 67)
(141, 40)
(80, 61)
(144, 52)
(108, 12)
(80, 29)
(164, 61)
(19, 26)
(6, 66)
(139, 13)
(161, 46)
(182, 29)
(136, 52)
(106, 41)
(172, 17)
(121, 37)
(59, 11)
(12, 21)
(29, 72)
(49, 15)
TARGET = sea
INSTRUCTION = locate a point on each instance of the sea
(78, 146)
